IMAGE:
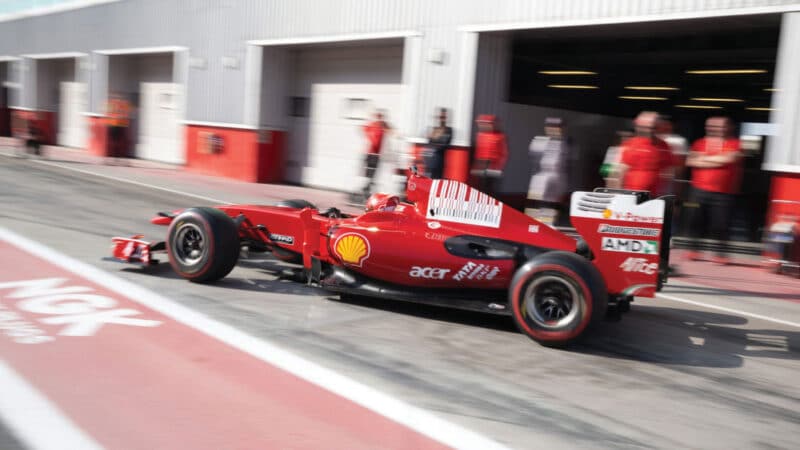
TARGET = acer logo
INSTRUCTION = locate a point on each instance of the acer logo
(640, 265)
(431, 273)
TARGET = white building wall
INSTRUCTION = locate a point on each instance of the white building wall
(783, 151)
(216, 34)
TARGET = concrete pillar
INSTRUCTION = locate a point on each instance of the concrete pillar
(98, 89)
(783, 150)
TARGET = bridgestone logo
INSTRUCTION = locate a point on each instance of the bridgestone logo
(631, 231)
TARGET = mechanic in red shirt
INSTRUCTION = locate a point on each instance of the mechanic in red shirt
(645, 159)
(374, 131)
(491, 153)
(716, 162)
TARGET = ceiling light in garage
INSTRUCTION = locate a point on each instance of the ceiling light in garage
(715, 99)
(652, 88)
(756, 108)
(725, 71)
(638, 97)
(567, 72)
(771, 90)
(572, 86)
(699, 106)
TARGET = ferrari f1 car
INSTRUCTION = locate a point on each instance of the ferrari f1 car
(448, 245)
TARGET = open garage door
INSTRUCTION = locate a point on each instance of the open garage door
(335, 91)
(597, 78)
(147, 82)
(61, 100)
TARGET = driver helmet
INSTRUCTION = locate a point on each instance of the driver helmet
(382, 202)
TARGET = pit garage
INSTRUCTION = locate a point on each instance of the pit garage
(9, 95)
(61, 98)
(597, 78)
(322, 95)
(149, 82)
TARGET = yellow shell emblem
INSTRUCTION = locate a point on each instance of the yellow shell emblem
(352, 248)
(607, 213)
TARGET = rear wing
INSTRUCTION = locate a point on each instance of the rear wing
(629, 236)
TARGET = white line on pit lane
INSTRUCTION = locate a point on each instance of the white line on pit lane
(137, 183)
(728, 310)
(35, 420)
(412, 417)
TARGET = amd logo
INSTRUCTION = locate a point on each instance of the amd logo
(629, 246)
(431, 273)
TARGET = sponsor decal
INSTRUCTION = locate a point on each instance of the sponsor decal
(640, 265)
(453, 201)
(633, 231)
(133, 251)
(476, 271)
(73, 310)
(431, 273)
(631, 217)
(412, 186)
(434, 225)
(435, 236)
(352, 248)
(282, 238)
(533, 228)
(629, 246)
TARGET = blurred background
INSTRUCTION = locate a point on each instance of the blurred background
(280, 91)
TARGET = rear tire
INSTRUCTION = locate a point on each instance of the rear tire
(555, 296)
(203, 244)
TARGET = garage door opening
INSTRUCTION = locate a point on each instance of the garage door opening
(597, 78)
(323, 94)
(687, 70)
(147, 83)
(62, 97)
(8, 90)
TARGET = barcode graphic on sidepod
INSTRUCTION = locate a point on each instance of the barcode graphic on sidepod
(453, 201)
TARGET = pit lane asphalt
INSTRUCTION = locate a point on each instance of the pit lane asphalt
(669, 375)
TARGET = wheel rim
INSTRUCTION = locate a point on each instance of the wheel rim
(551, 302)
(189, 244)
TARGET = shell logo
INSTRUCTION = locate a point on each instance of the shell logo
(352, 248)
(607, 213)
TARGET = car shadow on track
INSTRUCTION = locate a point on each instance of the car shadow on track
(490, 321)
(652, 334)
(689, 337)
(656, 335)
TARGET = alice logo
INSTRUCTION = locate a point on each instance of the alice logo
(352, 248)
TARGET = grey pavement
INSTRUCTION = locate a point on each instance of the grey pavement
(671, 374)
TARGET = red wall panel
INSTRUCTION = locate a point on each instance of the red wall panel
(241, 154)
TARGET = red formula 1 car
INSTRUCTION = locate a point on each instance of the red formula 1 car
(448, 245)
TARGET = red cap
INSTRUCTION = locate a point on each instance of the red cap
(486, 118)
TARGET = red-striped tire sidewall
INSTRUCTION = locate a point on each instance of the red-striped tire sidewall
(545, 335)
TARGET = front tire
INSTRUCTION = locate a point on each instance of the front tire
(555, 296)
(203, 244)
